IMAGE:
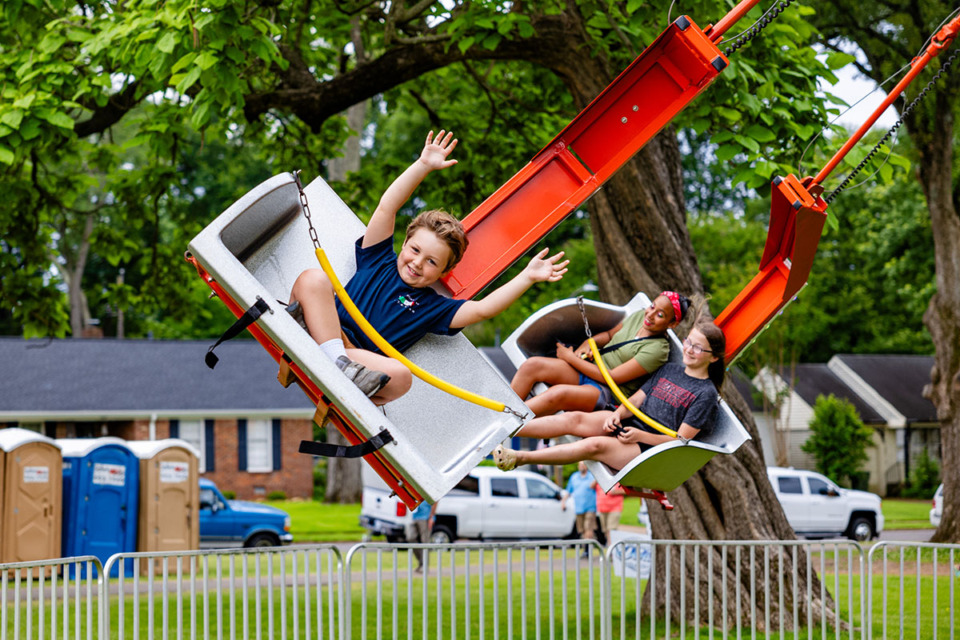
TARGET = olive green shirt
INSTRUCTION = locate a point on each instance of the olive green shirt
(649, 353)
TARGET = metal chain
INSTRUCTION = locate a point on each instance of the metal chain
(306, 209)
(583, 314)
(907, 111)
(757, 26)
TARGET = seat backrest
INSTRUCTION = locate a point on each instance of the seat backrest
(533, 337)
(259, 246)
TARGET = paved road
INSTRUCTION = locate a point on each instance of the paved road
(906, 535)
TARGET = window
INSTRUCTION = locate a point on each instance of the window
(207, 498)
(192, 431)
(469, 486)
(540, 490)
(504, 488)
(820, 488)
(259, 446)
(789, 484)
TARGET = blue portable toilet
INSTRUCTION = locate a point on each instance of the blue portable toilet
(101, 488)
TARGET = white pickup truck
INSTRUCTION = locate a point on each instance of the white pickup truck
(817, 508)
(487, 504)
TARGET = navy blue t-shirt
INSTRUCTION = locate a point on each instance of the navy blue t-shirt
(400, 313)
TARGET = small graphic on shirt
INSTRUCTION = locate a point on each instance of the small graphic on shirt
(672, 394)
(407, 303)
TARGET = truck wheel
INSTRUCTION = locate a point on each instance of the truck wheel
(860, 529)
(262, 540)
(392, 539)
(441, 534)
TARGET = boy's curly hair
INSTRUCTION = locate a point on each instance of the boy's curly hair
(445, 227)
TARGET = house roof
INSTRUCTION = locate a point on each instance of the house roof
(898, 379)
(746, 388)
(124, 379)
(813, 380)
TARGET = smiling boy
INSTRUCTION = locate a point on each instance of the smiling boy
(393, 291)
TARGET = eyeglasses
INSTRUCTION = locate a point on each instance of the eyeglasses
(695, 348)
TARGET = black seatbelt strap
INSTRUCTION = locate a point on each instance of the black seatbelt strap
(341, 451)
(613, 347)
(249, 317)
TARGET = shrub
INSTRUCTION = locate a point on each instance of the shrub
(839, 439)
(924, 478)
(229, 495)
(277, 495)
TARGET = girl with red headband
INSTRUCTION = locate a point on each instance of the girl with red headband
(684, 397)
(632, 350)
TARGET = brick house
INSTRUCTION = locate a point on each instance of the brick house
(246, 426)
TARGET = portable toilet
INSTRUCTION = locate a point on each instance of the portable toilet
(169, 495)
(30, 496)
(101, 493)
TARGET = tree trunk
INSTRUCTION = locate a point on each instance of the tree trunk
(943, 315)
(344, 481)
(642, 243)
(345, 475)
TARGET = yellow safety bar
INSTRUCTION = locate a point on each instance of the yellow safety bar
(388, 349)
(622, 398)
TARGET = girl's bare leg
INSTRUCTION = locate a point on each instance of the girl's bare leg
(574, 423)
(606, 449)
(564, 397)
(540, 369)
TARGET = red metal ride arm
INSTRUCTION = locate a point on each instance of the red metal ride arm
(656, 86)
(797, 214)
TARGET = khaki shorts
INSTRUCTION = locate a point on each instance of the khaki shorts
(609, 520)
(586, 524)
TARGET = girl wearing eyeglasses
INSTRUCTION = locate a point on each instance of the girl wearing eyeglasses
(631, 351)
(682, 397)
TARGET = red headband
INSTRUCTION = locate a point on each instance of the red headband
(674, 299)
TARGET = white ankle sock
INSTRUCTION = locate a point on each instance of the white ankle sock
(333, 349)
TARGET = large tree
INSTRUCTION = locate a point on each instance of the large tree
(890, 34)
(283, 71)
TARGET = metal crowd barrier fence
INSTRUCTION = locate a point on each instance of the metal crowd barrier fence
(554, 589)
(919, 590)
(50, 598)
(275, 592)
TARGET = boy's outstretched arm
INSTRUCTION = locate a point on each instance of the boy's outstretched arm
(540, 269)
(433, 157)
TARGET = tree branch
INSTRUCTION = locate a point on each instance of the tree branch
(108, 115)
(314, 101)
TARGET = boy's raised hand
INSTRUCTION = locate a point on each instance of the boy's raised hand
(541, 269)
(436, 150)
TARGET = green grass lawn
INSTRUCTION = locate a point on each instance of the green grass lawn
(321, 522)
(900, 513)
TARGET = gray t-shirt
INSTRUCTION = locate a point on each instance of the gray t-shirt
(674, 398)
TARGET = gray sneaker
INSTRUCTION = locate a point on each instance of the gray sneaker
(296, 312)
(367, 380)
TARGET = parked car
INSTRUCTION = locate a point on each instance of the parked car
(817, 508)
(937, 511)
(235, 523)
(486, 504)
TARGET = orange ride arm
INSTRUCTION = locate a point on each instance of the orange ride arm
(796, 222)
(656, 86)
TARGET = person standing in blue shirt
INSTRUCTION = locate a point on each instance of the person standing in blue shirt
(582, 488)
(423, 517)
